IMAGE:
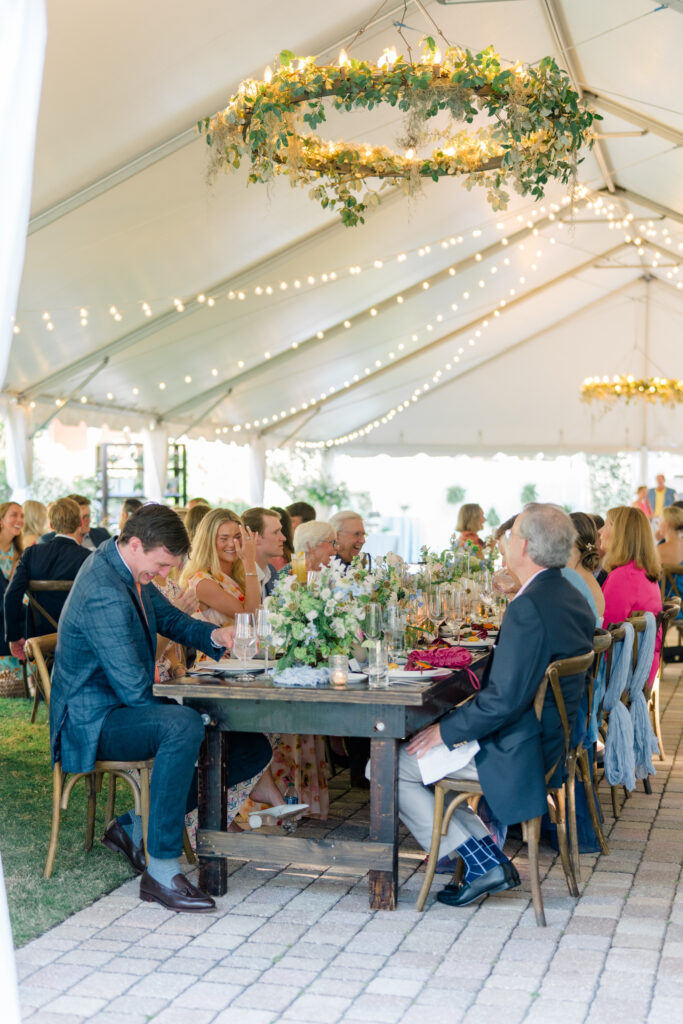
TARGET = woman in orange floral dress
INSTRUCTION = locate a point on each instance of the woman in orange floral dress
(222, 569)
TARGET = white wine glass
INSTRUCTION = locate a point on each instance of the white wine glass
(244, 644)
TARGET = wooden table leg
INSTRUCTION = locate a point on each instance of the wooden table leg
(384, 819)
(212, 807)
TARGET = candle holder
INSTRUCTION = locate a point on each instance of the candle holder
(338, 665)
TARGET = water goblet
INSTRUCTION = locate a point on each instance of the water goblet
(373, 621)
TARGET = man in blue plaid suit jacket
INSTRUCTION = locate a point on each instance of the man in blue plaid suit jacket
(102, 703)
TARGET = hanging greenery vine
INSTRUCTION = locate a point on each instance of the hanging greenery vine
(537, 126)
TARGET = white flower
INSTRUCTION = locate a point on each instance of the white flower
(312, 615)
(326, 593)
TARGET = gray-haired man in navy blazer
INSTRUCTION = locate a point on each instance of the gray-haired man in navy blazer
(547, 620)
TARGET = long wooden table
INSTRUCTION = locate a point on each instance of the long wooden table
(386, 716)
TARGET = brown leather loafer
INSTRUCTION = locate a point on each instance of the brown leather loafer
(117, 839)
(181, 895)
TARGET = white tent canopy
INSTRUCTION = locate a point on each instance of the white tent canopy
(489, 357)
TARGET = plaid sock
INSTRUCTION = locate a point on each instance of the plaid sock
(480, 856)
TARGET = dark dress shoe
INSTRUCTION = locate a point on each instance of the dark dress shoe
(118, 840)
(498, 879)
(181, 895)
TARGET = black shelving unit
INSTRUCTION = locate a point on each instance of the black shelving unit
(120, 475)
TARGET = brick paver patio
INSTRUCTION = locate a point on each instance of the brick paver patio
(296, 945)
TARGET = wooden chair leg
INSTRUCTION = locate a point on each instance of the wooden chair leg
(570, 785)
(434, 849)
(190, 855)
(110, 812)
(57, 779)
(91, 792)
(144, 808)
(532, 833)
(656, 721)
(584, 771)
(616, 810)
(563, 845)
(36, 702)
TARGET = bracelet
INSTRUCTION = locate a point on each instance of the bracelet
(251, 574)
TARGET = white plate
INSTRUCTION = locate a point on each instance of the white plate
(488, 641)
(427, 673)
(231, 668)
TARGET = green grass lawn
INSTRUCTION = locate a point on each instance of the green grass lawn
(79, 878)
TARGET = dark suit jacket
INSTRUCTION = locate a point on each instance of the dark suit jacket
(60, 559)
(97, 535)
(105, 653)
(548, 621)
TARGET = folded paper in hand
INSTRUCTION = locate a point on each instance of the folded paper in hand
(441, 760)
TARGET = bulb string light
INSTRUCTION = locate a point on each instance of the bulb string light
(595, 203)
(311, 280)
(474, 327)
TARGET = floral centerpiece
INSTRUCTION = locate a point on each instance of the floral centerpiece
(388, 580)
(453, 563)
(310, 622)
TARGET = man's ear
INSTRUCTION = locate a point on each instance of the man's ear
(135, 545)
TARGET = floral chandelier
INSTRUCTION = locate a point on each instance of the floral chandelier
(650, 389)
(536, 129)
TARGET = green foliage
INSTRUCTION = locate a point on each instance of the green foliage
(529, 492)
(492, 518)
(455, 494)
(535, 130)
(610, 481)
(79, 877)
(304, 478)
(237, 505)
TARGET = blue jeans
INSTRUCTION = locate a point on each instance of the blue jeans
(172, 735)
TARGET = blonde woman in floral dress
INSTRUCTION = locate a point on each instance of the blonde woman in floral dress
(11, 525)
(222, 568)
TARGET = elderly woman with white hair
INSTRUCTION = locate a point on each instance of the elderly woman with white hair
(317, 541)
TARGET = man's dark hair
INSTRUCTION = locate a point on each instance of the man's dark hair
(597, 519)
(131, 505)
(156, 526)
(80, 499)
(253, 518)
(303, 510)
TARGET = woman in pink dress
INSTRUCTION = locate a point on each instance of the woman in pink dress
(633, 569)
(642, 502)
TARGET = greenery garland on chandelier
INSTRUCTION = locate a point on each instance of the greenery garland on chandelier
(669, 391)
(538, 126)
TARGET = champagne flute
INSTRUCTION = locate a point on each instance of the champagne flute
(435, 604)
(456, 615)
(264, 631)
